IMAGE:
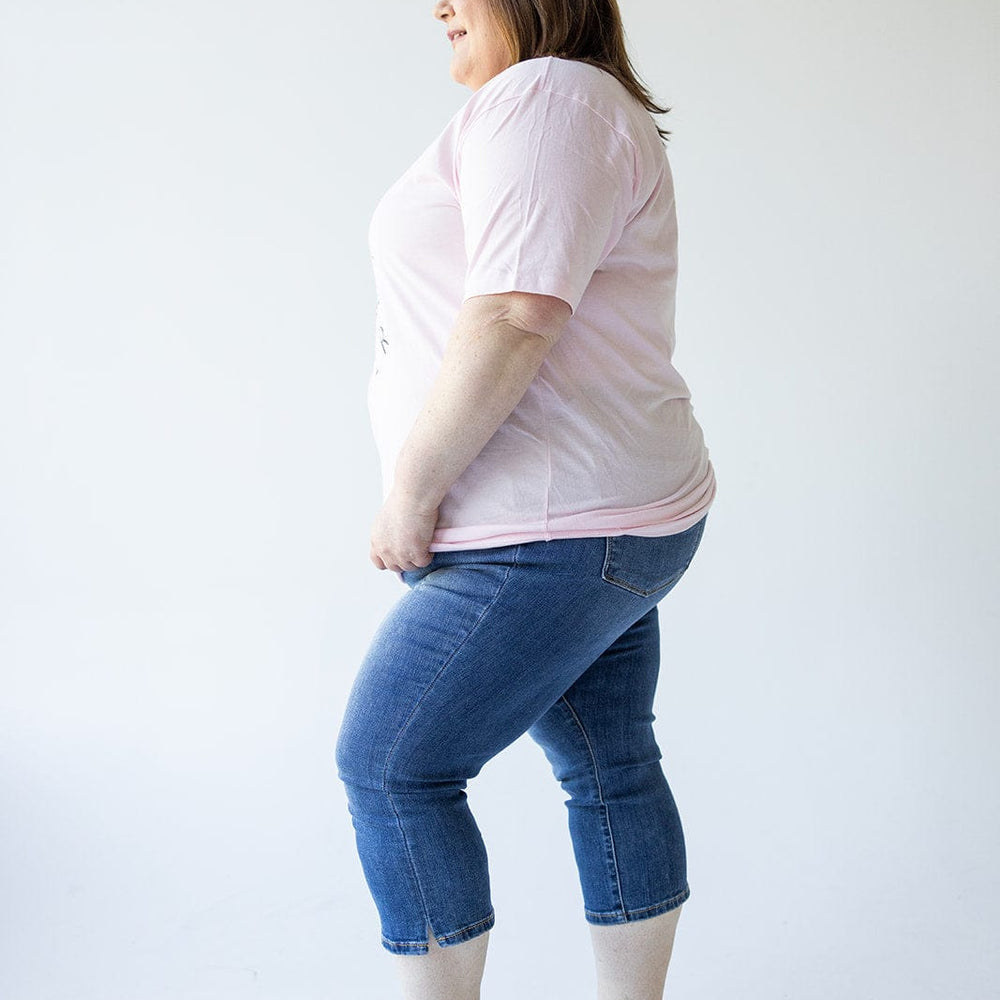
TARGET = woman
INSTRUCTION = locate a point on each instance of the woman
(545, 485)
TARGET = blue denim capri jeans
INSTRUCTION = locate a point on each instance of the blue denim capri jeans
(559, 639)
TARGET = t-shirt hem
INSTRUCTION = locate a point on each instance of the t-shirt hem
(587, 525)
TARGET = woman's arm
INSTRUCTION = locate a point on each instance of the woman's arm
(496, 348)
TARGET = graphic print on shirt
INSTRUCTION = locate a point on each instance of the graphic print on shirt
(381, 340)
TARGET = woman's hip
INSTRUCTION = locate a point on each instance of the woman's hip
(486, 640)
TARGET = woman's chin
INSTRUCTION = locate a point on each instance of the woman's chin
(460, 76)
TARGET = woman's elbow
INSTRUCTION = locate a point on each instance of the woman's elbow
(543, 316)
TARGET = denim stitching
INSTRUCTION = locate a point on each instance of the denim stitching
(462, 933)
(600, 796)
(467, 932)
(399, 945)
(613, 917)
(608, 577)
(409, 719)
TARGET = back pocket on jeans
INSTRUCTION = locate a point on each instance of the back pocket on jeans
(646, 566)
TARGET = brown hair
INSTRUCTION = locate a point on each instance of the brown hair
(589, 31)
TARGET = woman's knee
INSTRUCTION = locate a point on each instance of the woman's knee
(359, 755)
(384, 759)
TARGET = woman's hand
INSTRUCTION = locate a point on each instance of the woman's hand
(402, 533)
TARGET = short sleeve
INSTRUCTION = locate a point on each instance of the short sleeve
(545, 186)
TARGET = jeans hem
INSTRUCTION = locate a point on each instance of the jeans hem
(444, 940)
(624, 916)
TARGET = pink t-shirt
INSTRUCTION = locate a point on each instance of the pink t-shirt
(550, 179)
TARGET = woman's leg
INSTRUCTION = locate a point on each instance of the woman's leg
(632, 958)
(477, 651)
(481, 645)
(626, 830)
(455, 973)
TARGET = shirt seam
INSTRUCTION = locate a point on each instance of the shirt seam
(548, 465)
(638, 173)
(536, 88)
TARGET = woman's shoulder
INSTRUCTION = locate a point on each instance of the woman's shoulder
(546, 77)
(552, 74)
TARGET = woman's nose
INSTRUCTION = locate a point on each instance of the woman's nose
(443, 10)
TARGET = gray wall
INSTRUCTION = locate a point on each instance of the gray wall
(187, 481)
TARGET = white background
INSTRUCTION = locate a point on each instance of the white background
(187, 481)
